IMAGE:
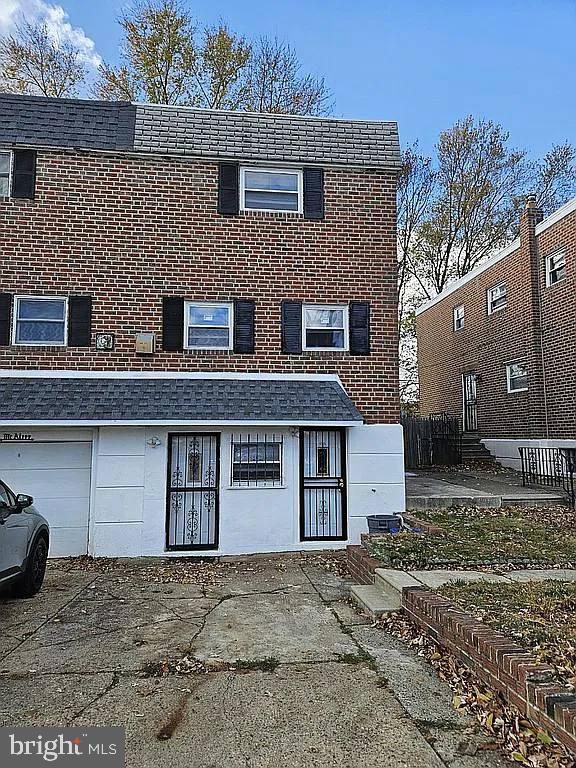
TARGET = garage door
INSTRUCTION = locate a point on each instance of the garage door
(57, 474)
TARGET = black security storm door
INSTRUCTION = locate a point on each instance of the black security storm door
(193, 491)
(470, 404)
(323, 485)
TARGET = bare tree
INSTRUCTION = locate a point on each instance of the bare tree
(554, 177)
(33, 61)
(275, 83)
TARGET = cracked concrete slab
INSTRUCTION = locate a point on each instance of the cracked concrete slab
(436, 579)
(328, 585)
(289, 627)
(298, 717)
(285, 577)
(122, 587)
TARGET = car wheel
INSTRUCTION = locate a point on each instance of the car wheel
(33, 576)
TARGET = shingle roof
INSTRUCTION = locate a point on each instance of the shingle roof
(38, 121)
(137, 400)
(185, 131)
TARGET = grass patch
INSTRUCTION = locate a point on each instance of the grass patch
(473, 537)
(267, 664)
(540, 616)
(360, 657)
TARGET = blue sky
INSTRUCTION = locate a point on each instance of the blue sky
(424, 63)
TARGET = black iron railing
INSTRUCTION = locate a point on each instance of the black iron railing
(431, 440)
(551, 467)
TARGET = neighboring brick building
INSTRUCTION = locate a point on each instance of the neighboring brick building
(179, 245)
(498, 347)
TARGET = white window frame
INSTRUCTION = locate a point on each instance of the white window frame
(264, 169)
(455, 318)
(549, 283)
(345, 310)
(509, 378)
(215, 304)
(255, 484)
(15, 311)
(492, 311)
(10, 170)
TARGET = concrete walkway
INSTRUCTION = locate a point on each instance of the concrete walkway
(89, 650)
(473, 487)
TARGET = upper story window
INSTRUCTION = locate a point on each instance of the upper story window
(207, 325)
(40, 321)
(459, 317)
(555, 268)
(517, 376)
(5, 170)
(497, 298)
(324, 327)
(270, 189)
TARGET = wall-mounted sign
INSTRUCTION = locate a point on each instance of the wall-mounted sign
(16, 437)
(104, 342)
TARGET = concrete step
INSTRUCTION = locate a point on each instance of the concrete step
(375, 601)
(389, 579)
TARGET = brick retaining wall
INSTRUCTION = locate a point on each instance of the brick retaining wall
(498, 661)
(361, 564)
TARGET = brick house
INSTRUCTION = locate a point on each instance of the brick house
(497, 347)
(197, 326)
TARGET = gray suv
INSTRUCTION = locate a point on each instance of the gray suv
(24, 538)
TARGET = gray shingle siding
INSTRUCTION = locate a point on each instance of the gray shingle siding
(137, 400)
(188, 132)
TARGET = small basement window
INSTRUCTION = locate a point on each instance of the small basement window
(324, 327)
(207, 325)
(268, 189)
(5, 171)
(256, 460)
(517, 377)
(40, 321)
(497, 298)
(555, 268)
(459, 317)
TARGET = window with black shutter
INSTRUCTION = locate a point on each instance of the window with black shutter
(244, 326)
(173, 323)
(79, 321)
(5, 315)
(23, 173)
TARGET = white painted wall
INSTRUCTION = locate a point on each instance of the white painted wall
(506, 451)
(375, 474)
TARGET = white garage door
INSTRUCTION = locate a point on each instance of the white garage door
(57, 475)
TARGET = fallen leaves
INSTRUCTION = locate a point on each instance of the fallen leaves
(520, 739)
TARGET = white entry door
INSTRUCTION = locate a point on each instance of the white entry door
(57, 475)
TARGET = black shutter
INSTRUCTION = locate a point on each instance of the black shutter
(244, 326)
(79, 321)
(359, 316)
(229, 189)
(24, 173)
(313, 193)
(292, 327)
(173, 323)
(5, 309)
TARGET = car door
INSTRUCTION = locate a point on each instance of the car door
(14, 531)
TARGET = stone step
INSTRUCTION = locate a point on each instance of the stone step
(375, 601)
(388, 578)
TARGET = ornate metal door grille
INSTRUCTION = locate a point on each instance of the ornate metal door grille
(323, 485)
(469, 388)
(193, 484)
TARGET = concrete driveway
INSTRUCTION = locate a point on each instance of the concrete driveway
(256, 664)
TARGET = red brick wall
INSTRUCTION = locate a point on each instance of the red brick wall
(129, 230)
(488, 342)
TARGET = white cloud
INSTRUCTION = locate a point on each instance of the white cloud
(57, 23)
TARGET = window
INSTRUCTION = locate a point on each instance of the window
(459, 317)
(555, 268)
(40, 321)
(497, 298)
(256, 460)
(5, 168)
(324, 327)
(6, 496)
(207, 326)
(267, 189)
(517, 377)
